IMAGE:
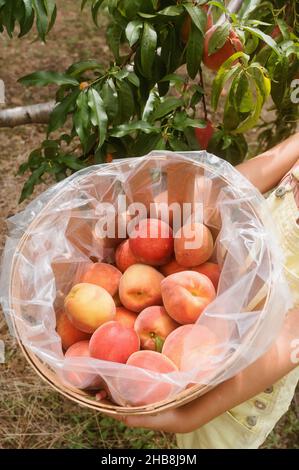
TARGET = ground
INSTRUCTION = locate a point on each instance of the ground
(32, 415)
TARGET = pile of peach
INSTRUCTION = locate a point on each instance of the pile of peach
(142, 311)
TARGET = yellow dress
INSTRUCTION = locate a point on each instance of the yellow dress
(247, 425)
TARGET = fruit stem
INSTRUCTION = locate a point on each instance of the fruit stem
(203, 96)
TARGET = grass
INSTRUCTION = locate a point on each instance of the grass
(32, 415)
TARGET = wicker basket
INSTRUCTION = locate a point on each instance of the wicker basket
(180, 178)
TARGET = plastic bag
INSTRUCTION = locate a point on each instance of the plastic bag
(61, 231)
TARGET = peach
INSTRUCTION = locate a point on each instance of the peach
(89, 306)
(82, 380)
(68, 333)
(103, 275)
(113, 342)
(186, 295)
(125, 317)
(211, 270)
(193, 245)
(138, 388)
(153, 325)
(140, 287)
(152, 242)
(192, 346)
(171, 268)
(204, 135)
(124, 257)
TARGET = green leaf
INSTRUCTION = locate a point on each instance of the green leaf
(177, 144)
(95, 10)
(182, 121)
(253, 118)
(61, 110)
(148, 49)
(174, 10)
(41, 18)
(71, 161)
(76, 69)
(219, 38)
(264, 37)
(221, 78)
(167, 106)
(134, 79)
(110, 99)
(150, 104)
(197, 15)
(126, 102)
(81, 118)
(99, 116)
(263, 82)
(46, 78)
(33, 180)
(28, 18)
(114, 33)
(133, 31)
(240, 93)
(194, 51)
(125, 129)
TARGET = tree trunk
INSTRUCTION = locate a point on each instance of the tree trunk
(33, 114)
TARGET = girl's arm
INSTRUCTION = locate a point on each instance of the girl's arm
(266, 170)
(281, 359)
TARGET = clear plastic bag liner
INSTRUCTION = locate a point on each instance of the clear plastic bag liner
(60, 232)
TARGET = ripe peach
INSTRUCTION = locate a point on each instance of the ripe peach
(124, 257)
(171, 268)
(125, 317)
(186, 295)
(138, 388)
(140, 287)
(89, 306)
(103, 275)
(152, 242)
(211, 270)
(113, 342)
(193, 245)
(192, 346)
(204, 135)
(231, 46)
(78, 379)
(68, 333)
(153, 325)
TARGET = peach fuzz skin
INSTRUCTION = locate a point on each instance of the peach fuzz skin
(68, 333)
(140, 287)
(152, 242)
(125, 317)
(171, 268)
(89, 306)
(114, 342)
(82, 380)
(193, 245)
(153, 325)
(186, 295)
(189, 346)
(138, 389)
(103, 275)
(211, 270)
(124, 257)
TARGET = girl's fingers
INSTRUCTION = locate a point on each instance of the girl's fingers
(167, 421)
